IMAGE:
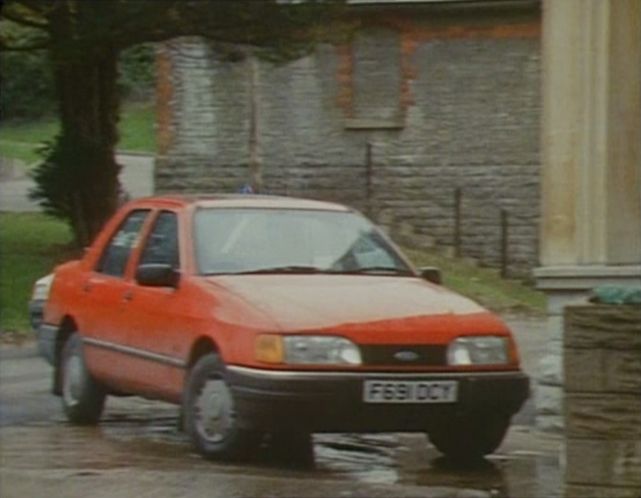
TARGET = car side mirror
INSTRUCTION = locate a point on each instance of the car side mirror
(157, 275)
(431, 274)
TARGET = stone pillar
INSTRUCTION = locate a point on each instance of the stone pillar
(591, 155)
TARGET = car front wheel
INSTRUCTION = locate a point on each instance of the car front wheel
(210, 418)
(464, 439)
(83, 398)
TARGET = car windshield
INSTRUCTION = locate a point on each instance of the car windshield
(245, 240)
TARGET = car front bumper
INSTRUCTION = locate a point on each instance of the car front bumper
(36, 308)
(333, 402)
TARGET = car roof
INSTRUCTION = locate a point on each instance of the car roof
(241, 201)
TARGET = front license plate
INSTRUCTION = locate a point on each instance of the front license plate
(410, 391)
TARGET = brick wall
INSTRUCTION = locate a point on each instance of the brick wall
(466, 116)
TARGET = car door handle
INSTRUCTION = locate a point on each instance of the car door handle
(86, 287)
(128, 295)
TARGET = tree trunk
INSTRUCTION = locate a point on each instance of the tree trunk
(89, 105)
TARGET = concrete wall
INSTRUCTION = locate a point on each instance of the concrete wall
(444, 102)
(602, 353)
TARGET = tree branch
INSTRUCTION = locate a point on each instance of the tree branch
(4, 47)
(13, 17)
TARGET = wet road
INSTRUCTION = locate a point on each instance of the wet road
(138, 452)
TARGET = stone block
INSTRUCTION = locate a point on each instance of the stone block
(603, 400)
(619, 371)
(601, 415)
(579, 491)
(580, 365)
(603, 462)
(603, 327)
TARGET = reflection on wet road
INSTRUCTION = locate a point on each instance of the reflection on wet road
(138, 451)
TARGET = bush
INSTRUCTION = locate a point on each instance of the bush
(137, 72)
(27, 85)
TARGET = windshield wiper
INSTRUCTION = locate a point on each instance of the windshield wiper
(282, 269)
(307, 270)
(380, 270)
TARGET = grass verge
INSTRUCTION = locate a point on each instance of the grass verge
(21, 140)
(483, 285)
(30, 245)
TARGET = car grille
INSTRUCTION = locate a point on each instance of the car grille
(434, 355)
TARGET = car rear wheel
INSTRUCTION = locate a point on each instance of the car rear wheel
(210, 417)
(470, 438)
(83, 398)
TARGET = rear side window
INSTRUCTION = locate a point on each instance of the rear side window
(115, 256)
(162, 244)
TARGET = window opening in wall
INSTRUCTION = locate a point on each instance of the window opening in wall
(376, 80)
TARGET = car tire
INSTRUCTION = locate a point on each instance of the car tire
(470, 438)
(210, 417)
(83, 398)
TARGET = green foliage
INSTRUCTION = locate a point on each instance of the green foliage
(30, 245)
(137, 73)
(64, 182)
(61, 173)
(28, 90)
(27, 85)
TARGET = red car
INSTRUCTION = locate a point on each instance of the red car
(269, 315)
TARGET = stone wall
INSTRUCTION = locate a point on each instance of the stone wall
(393, 131)
(602, 354)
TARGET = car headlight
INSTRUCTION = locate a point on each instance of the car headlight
(307, 350)
(479, 350)
(41, 288)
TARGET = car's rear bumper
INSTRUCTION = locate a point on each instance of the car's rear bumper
(333, 402)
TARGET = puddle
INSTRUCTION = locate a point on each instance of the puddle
(385, 459)
(410, 460)
(368, 458)
(147, 437)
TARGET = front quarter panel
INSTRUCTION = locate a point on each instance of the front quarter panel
(224, 318)
(64, 293)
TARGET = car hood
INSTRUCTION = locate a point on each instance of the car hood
(321, 302)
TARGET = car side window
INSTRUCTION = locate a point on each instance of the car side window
(162, 244)
(115, 256)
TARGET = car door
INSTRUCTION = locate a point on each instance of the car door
(105, 291)
(156, 317)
